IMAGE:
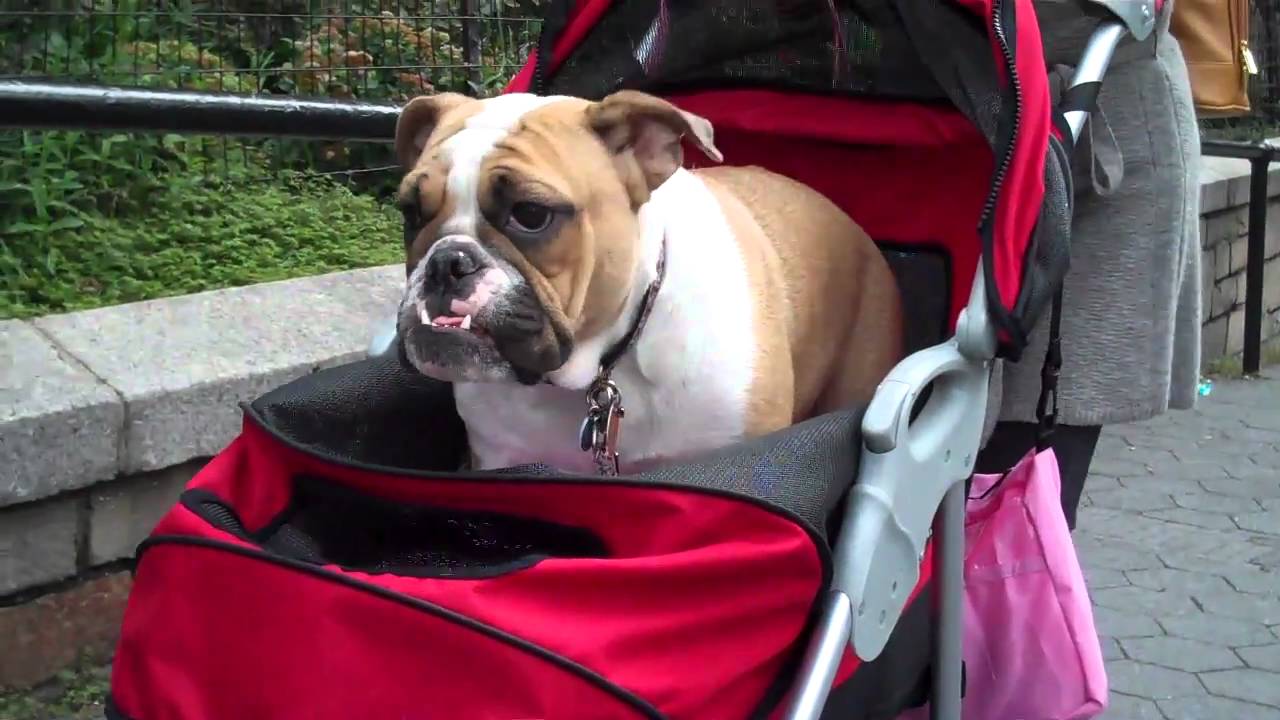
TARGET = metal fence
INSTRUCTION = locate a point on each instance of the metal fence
(369, 50)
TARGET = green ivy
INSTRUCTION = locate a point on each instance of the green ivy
(198, 236)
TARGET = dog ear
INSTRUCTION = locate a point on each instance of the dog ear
(416, 122)
(651, 129)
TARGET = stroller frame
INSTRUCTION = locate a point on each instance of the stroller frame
(913, 473)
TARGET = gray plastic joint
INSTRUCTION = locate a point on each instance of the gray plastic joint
(907, 467)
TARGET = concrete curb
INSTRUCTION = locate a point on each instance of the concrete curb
(89, 396)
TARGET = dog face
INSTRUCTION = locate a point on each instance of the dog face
(522, 239)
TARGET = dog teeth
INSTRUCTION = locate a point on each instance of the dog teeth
(423, 315)
(466, 323)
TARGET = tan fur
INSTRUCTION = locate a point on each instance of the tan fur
(828, 308)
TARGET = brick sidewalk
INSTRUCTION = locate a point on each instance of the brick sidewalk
(1179, 535)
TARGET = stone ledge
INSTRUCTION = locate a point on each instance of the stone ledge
(91, 395)
(1224, 183)
(60, 427)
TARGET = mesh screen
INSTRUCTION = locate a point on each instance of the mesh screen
(377, 413)
(334, 524)
(853, 47)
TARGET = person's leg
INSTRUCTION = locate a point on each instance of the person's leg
(1073, 445)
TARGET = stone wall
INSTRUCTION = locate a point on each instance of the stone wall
(1224, 236)
(105, 414)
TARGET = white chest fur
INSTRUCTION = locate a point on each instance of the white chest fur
(684, 386)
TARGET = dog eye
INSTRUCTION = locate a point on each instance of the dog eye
(530, 218)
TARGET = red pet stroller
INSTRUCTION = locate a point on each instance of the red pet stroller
(331, 564)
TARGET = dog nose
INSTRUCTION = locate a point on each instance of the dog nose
(453, 261)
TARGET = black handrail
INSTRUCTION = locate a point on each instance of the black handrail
(1260, 156)
(39, 105)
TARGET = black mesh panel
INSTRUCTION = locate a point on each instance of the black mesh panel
(377, 413)
(1048, 256)
(842, 46)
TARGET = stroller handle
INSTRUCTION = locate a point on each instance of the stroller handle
(1137, 16)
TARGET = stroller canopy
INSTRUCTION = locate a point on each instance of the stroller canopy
(927, 120)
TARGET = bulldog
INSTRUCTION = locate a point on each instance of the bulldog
(599, 308)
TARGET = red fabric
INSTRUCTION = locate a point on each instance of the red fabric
(879, 188)
(246, 639)
(701, 601)
(895, 167)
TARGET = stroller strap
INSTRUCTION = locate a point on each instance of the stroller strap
(1097, 142)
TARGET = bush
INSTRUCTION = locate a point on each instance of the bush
(198, 235)
(92, 219)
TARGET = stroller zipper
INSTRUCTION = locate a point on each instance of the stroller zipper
(1010, 64)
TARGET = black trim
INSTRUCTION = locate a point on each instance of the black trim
(584, 673)
(280, 536)
(816, 538)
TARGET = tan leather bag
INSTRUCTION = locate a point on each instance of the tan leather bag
(1214, 36)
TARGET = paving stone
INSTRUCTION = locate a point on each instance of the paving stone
(1121, 624)
(1199, 463)
(1157, 683)
(1208, 707)
(1150, 602)
(1179, 580)
(1215, 502)
(1206, 563)
(1212, 629)
(1260, 522)
(1170, 538)
(1254, 580)
(1111, 649)
(1099, 578)
(1133, 465)
(1244, 684)
(1116, 556)
(1263, 657)
(1101, 483)
(1127, 707)
(1178, 653)
(1194, 518)
(1247, 434)
(1254, 487)
(1127, 499)
(1257, 608)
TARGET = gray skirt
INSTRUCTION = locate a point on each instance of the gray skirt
(1131, 310)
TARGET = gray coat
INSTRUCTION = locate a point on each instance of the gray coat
(1131, 310)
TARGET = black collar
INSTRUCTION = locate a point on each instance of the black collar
(614, 354)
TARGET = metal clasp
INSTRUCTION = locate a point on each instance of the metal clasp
(602, 425)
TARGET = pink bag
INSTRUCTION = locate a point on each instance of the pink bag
(1031, 650)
